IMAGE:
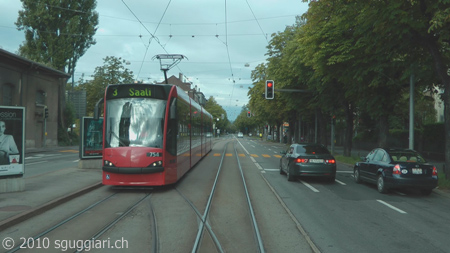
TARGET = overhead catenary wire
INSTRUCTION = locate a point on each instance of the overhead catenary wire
(264, 34)
(152, 34)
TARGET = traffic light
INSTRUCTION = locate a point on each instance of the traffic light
(249, 114)
(46, 113)
(270, 88)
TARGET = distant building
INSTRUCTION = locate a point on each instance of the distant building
(195, 94)
(34, 86)
(436, 93)
(439, 105)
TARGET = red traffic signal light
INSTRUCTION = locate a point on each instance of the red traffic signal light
(270, 88)
(249, 114)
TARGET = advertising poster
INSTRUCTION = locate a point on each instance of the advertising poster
(91, 138)
(12, 139)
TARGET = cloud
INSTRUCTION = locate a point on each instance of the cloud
(218, 40)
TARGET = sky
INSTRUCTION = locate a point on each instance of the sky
(223, 41)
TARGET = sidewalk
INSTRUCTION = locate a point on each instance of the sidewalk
(45, 191)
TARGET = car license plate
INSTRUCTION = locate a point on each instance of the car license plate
(416, 170)
(316, 160)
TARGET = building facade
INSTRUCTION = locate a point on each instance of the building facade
(34, 86)
(193, 93)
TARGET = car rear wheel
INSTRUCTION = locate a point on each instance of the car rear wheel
(381, 186)
(331, 179)
(281, 169)
(426, 191)
(290, 177)
(357, 176)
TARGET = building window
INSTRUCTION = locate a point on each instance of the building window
(40, 97)
(7, 94)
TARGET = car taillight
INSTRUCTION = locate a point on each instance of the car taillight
(301, 160)
(434, 171)
(396, 170)
(331, 161)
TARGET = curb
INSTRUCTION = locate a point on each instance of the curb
(9, 222)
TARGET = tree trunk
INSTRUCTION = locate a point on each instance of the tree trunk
(322, 121)
(291, 131)
(348, 136)
(384, 130)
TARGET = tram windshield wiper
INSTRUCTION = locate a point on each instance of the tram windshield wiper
(118, 138)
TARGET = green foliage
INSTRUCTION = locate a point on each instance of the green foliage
(70, 138)
(347, 159)
(217, 111)
(112, 72)
(443, 183)
(57, 32)
(434, 137)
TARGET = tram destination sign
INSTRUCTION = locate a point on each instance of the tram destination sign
(136, 91)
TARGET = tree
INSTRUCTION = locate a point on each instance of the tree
(112, 72)
(217, 111)
(57, 34)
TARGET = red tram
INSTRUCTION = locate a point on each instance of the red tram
(152, 134)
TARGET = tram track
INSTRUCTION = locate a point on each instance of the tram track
(214, 222)
(89, 225)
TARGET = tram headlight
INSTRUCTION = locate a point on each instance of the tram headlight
(108, 163)
(157, 164)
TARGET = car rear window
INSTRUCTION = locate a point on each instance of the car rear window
(312, 150)
(407, 157)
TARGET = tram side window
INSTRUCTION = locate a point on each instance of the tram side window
(172, 128)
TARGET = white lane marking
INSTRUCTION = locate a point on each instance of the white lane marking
(36, 162)
(340, 182)
(76, 161)
(345, 171)
(258, 166)
(243, 148)
(309, 186)
(272, 169)
(391, 206)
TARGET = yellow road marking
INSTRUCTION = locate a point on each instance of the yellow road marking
(69, 151)
(265, 155)
(253, 155)
(228, 154)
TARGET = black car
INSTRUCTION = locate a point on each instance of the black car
(310, 160)
(396, 168)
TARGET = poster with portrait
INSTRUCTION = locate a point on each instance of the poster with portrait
(12, 139)
(91, 138)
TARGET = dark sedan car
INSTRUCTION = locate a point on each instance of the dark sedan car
(310, 160)
(396, 168)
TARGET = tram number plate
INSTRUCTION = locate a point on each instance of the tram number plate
(153, 154)
(316, 160)
(417, 171)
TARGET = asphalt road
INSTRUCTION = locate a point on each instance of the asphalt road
(347, 217)
(38, 163)
(337, 217)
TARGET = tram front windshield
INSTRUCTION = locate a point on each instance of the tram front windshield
(134, 122)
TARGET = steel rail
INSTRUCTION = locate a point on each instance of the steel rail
(115, 221)
(66, 220)
(252, 213)
(205, 214)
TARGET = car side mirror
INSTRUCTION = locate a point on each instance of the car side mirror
(283, 152)
(363, 158)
